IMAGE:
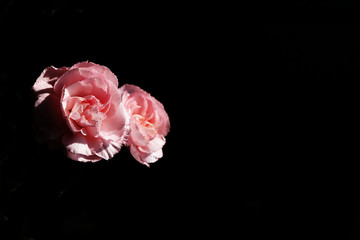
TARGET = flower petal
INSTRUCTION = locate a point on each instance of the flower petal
(83, 158)
(153, 145)
(153, 157)
(108, 149)
(145, 158)
(70, 77)
(97, 70)
(117, 117)
(90, 87)
(76, 143)
(107, 145)
(45, 82)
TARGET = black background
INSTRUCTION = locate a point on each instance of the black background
(252, 150)
(171, 54)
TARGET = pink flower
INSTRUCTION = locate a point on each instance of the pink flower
(80, 108)
(149, 124)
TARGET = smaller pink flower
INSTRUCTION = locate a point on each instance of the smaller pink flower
(149, 124)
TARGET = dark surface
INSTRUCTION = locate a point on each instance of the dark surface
(315, 69)
(188, 193)
(251, 125)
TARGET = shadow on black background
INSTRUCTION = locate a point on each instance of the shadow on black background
(251, 121)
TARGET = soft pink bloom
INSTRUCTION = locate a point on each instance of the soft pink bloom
(80, 108)
(149, 124)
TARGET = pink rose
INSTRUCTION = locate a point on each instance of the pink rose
(80, 107)
(149, 124)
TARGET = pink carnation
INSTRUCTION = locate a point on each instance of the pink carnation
(80, 108)
(149, 124)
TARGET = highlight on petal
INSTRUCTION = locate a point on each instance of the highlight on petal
(76, 143)
(153, 146)
(48, 77)
(145, 158)
(108, 148)
(45, 82)
(83, 158)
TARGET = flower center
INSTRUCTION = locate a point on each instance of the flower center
(85, 112)
(143, 120)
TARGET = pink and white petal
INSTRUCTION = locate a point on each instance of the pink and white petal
(131, 93)
(140, 101)
(41, 97)
(149, 133)
(104, 148)
(115, 95)
(145, 158)
(74, 116)
(76, 143)
(136, 137)
(97, 70)
(117, 118)
(107, 144)
(92, 131)
(84, 64)
(123, 93)
(67, 102)
(90, 87)
(73, 126)
(48, 77)
(70, 77)
(129, 89)
(163, 122)
(44, 83)
(108, 150)
(83, 158)
(153, 157)
(153, 146)
(137, 155)
(108, 75)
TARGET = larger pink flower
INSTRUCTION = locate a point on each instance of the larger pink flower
(81, 108)
(149, 124)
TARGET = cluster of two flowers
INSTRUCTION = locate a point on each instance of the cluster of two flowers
(82, 110)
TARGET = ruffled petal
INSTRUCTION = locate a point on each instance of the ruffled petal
(154, 145)
(90, 87)
(153, 157)
(135, 135)
(83, 158)
(114, 139)
(76, 143)
(108, 149)
(117, 116)
(81, 108)
(107, 145)
(45, 82)
(47, 78)
(70, 77)
(97, 70)
(145, 158)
